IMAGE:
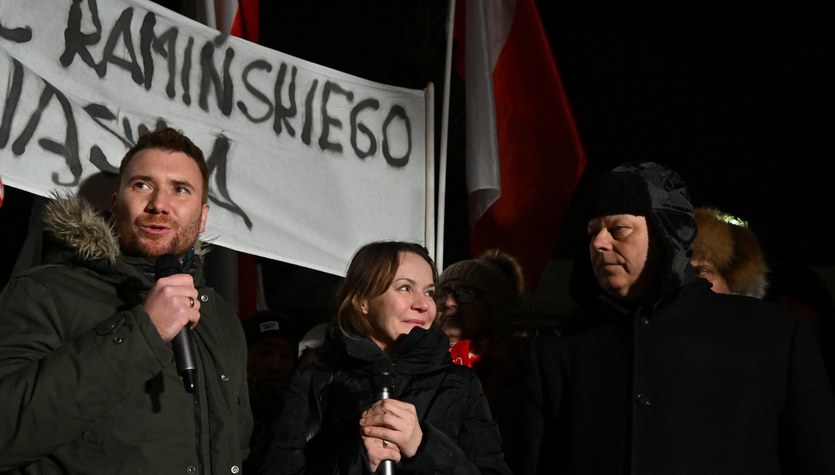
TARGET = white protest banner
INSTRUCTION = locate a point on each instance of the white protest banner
(306, 163)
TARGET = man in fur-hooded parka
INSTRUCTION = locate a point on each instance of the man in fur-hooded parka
(88, 384)
(666, 376)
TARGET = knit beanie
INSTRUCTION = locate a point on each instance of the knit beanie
(730, 245)
(497, 275)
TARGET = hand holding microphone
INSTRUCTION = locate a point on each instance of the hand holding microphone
(173, 307)
(382, 382)
(390, 427)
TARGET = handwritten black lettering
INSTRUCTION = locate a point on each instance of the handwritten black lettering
(217, 163)
(328, 121)
(185, 79)
(10, 104)
(76, 42)
(211, 79)
(68, 150)
(207, 69)
(307, 121)
(17, 35)
(263, 65)
(164, 45)
(101, 115)
(397, 112)
(147, 40)
(359, 126)
(121, 37)
(284, 113)
(99, 160)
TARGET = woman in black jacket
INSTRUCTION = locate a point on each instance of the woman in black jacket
(435, 419)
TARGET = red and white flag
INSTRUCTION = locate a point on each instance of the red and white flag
(236, 17)
(524, 157)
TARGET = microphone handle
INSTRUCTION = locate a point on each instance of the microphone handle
(386, 467)
(168, 265)
(184, 357)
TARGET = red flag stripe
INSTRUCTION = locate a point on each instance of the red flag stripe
(246, 24)
(540, 152)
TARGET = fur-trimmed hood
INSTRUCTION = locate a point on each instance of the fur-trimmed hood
(86, 232)
(731, 246)
(75, 224)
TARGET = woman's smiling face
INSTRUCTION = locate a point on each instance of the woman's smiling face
(408, 302)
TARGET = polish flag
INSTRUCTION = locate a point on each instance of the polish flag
(235, 17)
(524, 157)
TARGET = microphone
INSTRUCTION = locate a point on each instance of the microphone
(168, 265)
(382, 382)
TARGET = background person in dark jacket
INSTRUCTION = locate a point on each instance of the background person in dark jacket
(436, 420)
(87, 373)
(802, 291)
(478, 299)
(656, 373)
(272, 341)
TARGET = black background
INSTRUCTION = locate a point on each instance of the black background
(737, 98)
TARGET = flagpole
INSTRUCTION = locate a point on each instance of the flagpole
(429, 233)
(207, 9)
(442, 165)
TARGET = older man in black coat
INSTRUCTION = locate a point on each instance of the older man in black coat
(657, 374)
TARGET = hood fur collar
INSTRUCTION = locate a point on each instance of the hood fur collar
(76, 224)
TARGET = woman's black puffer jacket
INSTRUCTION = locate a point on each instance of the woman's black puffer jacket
(319, 432)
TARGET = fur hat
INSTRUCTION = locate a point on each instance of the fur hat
(497, 275)
(730, 245)
(644, 189)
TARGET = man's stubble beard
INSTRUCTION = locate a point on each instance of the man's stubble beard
(131, 244)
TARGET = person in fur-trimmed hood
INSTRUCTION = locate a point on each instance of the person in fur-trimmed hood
(727, 253)
(657, 374)
(87, 371)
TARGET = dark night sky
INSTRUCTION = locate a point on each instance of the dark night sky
(737, 99)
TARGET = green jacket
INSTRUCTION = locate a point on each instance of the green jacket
(87, 384)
